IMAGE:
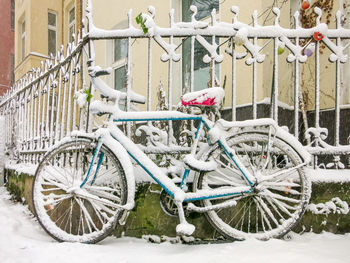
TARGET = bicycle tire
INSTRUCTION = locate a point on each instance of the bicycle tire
(277, 205)
(68, 212)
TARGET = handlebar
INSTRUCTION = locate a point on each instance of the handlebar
(108, 92)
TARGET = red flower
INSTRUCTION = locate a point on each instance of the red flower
(318, 36)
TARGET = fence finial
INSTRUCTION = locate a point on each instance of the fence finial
(235, 11)
(194, 10)
(277, 12)
(318, 12)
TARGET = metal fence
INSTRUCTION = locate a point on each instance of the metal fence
(42, 107)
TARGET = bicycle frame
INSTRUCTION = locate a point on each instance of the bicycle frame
(155, 172)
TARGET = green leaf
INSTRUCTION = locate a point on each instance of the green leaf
(140, 21)
(88, 95)
(139, 18)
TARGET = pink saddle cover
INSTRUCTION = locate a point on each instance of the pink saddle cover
(205, 97)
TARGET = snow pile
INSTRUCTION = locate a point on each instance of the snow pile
(23, 241)
(334, 206)
(328, 175)
(25, 168)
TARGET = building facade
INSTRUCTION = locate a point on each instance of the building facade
(7, 56)
(42, 27)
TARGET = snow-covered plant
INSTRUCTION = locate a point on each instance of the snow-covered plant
(82, 97)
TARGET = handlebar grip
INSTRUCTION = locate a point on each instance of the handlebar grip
(134, 97)
(102, 72)
(98, 71)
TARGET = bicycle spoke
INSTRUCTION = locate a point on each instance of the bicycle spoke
(57, 174)
(281, 197)
(263, 215)
(98, 213)
(280, 190)
(102, 176)
(284, 172)
(83, 215)
(104, 194)
(285, 190)
(59, 199)
(87, 216)
(275, 208)
(282, 206)
(267, 210)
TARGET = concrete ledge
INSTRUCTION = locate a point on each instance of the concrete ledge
(148, 218)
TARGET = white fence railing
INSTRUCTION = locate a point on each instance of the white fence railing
(41, 108)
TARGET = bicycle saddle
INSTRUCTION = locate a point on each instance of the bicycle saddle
(206, 97)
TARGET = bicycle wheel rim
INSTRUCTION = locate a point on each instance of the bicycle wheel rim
(259, 215)
(66, 215)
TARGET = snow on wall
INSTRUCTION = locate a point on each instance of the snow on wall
(334, 206)
(25, 168)
(328, 175)
(2, 149)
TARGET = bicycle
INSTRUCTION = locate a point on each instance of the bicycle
(248, 180)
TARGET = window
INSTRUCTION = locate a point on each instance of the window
(204, 8)
(201, 69)
(13, 15)
(120, 78)
(71, 24)
(23, 40)
(52, 33)
(120, 47)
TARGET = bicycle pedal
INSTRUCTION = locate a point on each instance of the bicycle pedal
(185, 229)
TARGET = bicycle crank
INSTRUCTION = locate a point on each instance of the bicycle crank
(168, 205)
(193, 208)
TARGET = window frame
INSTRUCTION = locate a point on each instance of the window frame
(52, 28)
(71, 24)
(119, 63)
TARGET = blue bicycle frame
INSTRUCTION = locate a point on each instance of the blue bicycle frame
(153, 170)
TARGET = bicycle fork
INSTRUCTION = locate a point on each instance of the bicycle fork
(99, 156)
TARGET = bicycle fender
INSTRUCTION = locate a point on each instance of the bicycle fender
(123, 157)
(224, 129)
(125, 161)
(294, 143)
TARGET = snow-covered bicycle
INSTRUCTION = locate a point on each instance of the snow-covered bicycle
(248, 179)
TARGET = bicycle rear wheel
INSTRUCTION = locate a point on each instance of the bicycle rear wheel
(277, 203)
(72, 213)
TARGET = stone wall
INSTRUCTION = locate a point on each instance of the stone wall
(148, 218)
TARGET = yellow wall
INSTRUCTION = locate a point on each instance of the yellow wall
(35, 13)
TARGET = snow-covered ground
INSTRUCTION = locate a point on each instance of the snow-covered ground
(23, 240)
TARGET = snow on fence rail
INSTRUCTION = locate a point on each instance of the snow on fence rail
(41, 108)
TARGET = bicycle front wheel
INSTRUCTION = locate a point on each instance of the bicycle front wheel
(72, 213)
(279, 199)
